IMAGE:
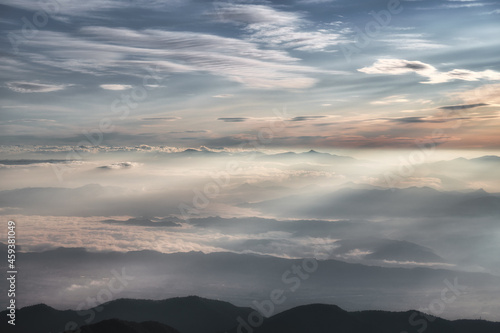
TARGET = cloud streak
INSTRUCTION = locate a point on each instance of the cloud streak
(115, 86)
(463, 106)
(233, 119)
(412, 120)
(306, 118)
(103, 50)
(401, 66)
(34, 87)
(277, 28)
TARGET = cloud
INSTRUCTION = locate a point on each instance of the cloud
(463, 106)
(282, 29)
(397, 66)
(233, 120)
(409, 120)
(411, 41)
(115, 86)
(400, 66)
(313, 2)
(34, 87)
(485, 94)
(145, 222)
(190, 131)
(391, 100)
(78, 8)
(119, 165)
(223, 96)
(306, 118)
(465, 4)
(101, 50)
(252, 14)
(14, 106)
(27, 162)
(160, 118)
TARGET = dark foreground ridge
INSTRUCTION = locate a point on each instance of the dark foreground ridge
(200, 315)
(121, 326)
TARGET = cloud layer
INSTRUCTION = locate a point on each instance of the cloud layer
(34, 87)
(400, 66)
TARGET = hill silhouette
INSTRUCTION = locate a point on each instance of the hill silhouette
(121, 326)
(406, 202)
(200, 315)
(190, 314)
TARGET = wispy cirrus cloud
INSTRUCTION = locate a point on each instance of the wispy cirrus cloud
(78, 8)
(223, 96)
(401, 66)
(34, 87)
(413, 120)
(233, 119)
(252, 14)
(306, 118)
(412, 41)
(110, 51)
(485, 94)
(119, 165)
(391, 100)
(277, 28)
(463, 106)
(313, 2)
(452, 4)
(160, 118)
(115, 86)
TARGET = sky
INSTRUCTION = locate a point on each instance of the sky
(362, 133)
(339, 74)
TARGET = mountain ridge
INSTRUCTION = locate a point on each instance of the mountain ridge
(311, 318)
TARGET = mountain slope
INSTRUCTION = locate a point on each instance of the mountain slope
(317, 318)
(408, 202)
(186, 314)
(238, 278)
(120, 326)
(320, 318)
(312, 318)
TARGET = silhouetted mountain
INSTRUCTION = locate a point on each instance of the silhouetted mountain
(310, 155)
(186, 314)
(461, 173)
(69, 198)
(387, 249)
(41, 318)
(465, 162)
(199, 152)
(233, 277)
(487, 158)
(408, 202)
(484, 205)
(120, 326)
(320, 318)
(315, 318)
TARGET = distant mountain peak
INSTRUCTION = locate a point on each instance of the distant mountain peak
(487, 158)
(320, 306)
(39, 307)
